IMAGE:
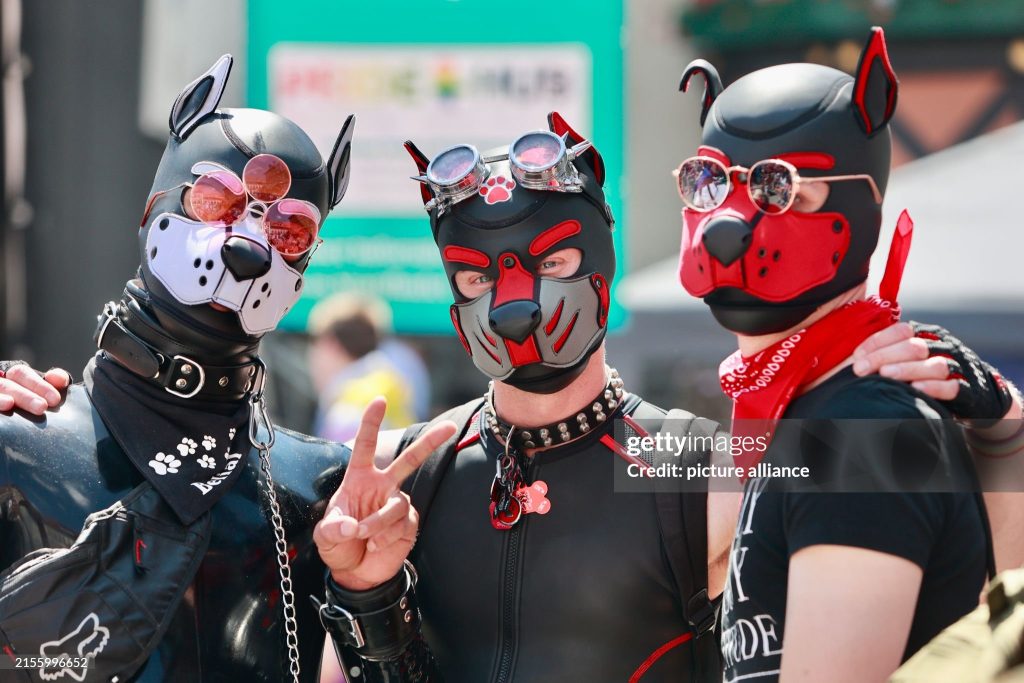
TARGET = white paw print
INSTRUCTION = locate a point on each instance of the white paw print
(186, 447)
(209, 443)
(165, 463)
(207, 462)
(231, 433)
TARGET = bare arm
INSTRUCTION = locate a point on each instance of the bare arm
(848, 614)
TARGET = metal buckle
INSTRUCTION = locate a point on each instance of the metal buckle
(701, 613)
(339, 614)
(108, 317)
(199, 386)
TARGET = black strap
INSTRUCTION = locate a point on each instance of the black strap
(423, 485)
(178, 374)
(683, 522)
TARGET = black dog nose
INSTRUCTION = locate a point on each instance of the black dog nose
(246, 259)
(515, 320)
(727, 238)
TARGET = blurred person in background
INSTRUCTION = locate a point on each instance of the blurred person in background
(352, 359)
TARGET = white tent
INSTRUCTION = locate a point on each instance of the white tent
(968, 247)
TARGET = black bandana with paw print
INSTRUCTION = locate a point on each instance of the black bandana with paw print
(191, 451)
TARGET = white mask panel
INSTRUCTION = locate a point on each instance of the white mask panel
(185, 255)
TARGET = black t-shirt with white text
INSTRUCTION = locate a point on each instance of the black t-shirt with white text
(943, 533)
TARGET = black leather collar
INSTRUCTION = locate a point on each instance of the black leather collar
(178, 374)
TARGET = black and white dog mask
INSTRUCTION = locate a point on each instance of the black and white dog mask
(189, 267)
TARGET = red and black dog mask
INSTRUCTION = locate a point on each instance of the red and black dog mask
(530, 331)
(762, 273)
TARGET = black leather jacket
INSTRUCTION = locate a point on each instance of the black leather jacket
(55, 470)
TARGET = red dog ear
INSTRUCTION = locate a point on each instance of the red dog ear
(875, 85)
(591, 157)
(421, 161)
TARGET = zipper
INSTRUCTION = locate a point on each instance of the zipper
(511, 574)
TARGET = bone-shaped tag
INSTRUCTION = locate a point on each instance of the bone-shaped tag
(534, 498)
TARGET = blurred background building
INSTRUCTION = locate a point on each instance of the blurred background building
(87, 87)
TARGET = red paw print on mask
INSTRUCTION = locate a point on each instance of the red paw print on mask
(497, 189)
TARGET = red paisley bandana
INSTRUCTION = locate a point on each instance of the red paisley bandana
(763, 385)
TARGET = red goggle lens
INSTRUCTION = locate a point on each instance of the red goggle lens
(218, 198)
(267, 178)
(291, 226)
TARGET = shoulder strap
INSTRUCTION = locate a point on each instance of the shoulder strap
(683, 521)
(422, 486)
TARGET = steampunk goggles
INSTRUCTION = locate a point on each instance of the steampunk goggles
(538, 160)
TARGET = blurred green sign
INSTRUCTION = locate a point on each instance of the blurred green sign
(438, 72)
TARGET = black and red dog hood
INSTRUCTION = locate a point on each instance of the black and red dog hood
(533, 332)
(762, 273)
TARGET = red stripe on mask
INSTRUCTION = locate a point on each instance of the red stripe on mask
(471, 257)
(553, 236)
(515, 283)
(523, 354)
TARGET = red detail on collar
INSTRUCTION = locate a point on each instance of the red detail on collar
(470, 257)
(9, 652)
(552, 236)
(658, 654)
(514, 282)
(555, 317)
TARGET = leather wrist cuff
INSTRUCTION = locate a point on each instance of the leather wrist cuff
(378, 623)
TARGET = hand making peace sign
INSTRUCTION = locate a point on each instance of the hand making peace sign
(370, 526)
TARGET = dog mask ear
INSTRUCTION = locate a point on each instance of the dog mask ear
(199, 98)
(591, 157)
(875, 86)
(338, 163)
(712, 84)
(421, 161)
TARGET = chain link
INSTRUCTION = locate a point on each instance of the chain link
(258, 418)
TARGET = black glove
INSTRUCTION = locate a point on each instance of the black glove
(984, 396)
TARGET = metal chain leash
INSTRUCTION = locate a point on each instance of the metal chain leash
(258, 418)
